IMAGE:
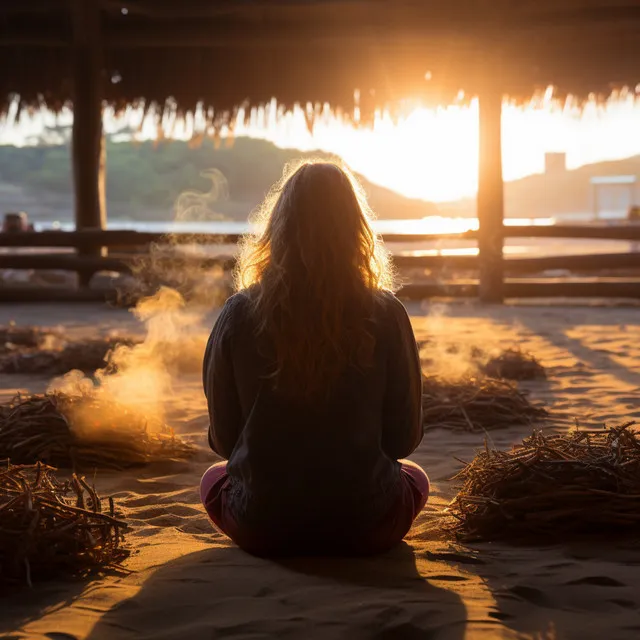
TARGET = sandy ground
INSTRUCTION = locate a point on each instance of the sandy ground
(186, 581)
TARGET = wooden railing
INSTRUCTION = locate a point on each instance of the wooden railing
(126, 238)
(125, 246)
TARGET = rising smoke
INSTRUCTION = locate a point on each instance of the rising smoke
(174, 297)
(137, 380)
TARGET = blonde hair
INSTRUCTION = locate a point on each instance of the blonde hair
(312, 271)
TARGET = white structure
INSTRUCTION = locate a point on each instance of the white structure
(613, 187)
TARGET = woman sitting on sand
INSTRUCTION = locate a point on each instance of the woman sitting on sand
(313, 383)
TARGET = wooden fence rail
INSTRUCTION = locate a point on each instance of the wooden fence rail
(514, 288)
(512, 266)
(520, 288)
(126, 238)
(71, 251)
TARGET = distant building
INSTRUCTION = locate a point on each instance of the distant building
(613, 196)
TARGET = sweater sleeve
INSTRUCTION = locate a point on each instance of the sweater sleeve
(402, 421)
(225, 414)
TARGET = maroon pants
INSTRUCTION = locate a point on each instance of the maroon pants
(389, 533)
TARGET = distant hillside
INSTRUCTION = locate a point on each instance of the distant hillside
(546, 195)
(144, 180)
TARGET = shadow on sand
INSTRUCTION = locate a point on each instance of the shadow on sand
(223, 592)
(588, 590)
(22, 605)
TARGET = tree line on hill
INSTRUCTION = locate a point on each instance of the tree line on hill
(145, 179)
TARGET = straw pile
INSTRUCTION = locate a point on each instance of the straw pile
(86, 355)
(431, 353)
(50, 527)
(552, 487)
(46, 428)
(514, 364)
(509, 364)
(13, 337)
(451, 348)
(475, 404)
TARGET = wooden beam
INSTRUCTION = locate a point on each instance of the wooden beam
(291, 23)
(34, 38)
(29, 8)
(87, 143)
(208, 34)
(514, 266)
(490, 202)
(16, 294)
(362, 10)
(122, 264)
(88, 238)
(623, 231)
(599, 288)
(182, 10)
(63, 262)
(129, 238)
(589, 289)
(559, 18)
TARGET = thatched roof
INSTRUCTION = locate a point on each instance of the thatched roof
(230, 52)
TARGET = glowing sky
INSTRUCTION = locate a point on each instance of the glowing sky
(427, 153)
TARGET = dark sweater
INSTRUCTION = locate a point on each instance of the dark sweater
(328, 466)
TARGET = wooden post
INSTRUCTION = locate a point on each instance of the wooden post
(490, 203)
(88, 151)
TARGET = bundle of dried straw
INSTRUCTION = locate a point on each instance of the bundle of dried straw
(13, 336)
(476, 404)
(50, 527)
(85, 355)
(514, 364)
(47, 428)
(550, 488)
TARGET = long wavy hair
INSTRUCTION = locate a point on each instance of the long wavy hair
(312, 271)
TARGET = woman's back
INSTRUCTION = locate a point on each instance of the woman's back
(294, 459)
(312, 377)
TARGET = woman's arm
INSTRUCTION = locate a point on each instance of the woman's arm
(225, 414)
(402, 427)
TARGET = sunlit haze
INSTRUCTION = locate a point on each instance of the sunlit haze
(427, 153)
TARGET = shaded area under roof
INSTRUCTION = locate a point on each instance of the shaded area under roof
(227, 53)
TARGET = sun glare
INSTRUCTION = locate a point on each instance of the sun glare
(431, 154)
(426, 153)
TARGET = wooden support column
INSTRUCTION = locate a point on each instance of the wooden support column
(490, 203)
(88, 151)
